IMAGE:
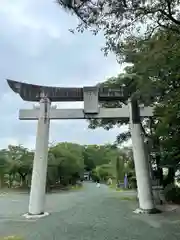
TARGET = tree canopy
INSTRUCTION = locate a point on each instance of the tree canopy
(120, 20)
(67, 163)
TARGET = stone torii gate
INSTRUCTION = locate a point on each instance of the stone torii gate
(91, 96)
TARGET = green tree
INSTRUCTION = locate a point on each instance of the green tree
(124, 19)
(96, 155)
(3, 167)
(116, 168)
(68, 160)
(156, 60)
(104, 171)
(19, 162)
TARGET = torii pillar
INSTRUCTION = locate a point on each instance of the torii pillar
(145, 195)
(38, 182)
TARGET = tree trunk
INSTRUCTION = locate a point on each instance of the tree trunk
(117, 170)
(1, 180)
(10, 180)
(23, 179)
(159, 170)
(48, 184)
(29, 180)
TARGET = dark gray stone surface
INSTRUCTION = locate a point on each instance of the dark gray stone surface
(89, 214)
(32, 93)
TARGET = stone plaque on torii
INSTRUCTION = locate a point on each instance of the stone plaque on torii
(91, 96)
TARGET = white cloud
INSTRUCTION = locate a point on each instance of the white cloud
(32, 29)
(36, 47)
(18, 14)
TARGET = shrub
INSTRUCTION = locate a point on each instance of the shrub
(172, 193)
(133, 182)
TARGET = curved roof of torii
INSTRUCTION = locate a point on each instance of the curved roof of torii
(33, 93)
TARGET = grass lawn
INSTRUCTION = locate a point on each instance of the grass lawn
(12, 238)
(113, 186)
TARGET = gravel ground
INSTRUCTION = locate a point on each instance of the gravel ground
(87, 214)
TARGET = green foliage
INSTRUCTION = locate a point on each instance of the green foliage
(66, 164)
(12, 238)
(128, 198)
(96, 155)
(120, 167)
(124, 19)
(103, 172)
(120, 164)
(156, 61)
(172, 193)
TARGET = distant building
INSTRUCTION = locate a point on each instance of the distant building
(87, 176)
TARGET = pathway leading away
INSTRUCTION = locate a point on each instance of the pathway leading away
(89, 214)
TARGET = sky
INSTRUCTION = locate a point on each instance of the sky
(36, 47)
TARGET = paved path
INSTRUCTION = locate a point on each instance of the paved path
(90, 214)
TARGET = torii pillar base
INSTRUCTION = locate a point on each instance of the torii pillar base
(145, 211)
(35, 216)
